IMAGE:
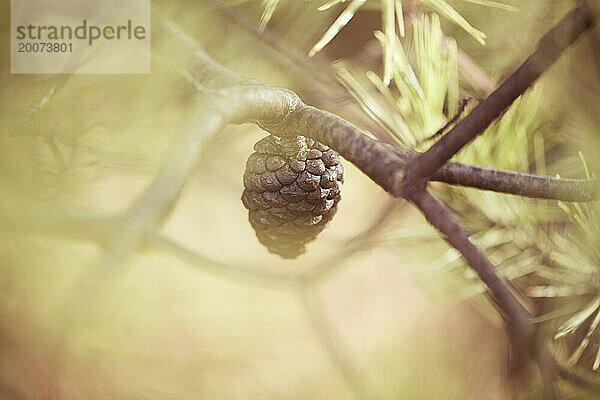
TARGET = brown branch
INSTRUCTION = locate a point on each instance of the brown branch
(513, 312)
(551, 46)
(385, 163)
(527, 185)
(451, 121)
(418, 171)
(516, 317)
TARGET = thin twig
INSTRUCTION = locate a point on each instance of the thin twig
(517, 183)
(248, 273)
(451, 121)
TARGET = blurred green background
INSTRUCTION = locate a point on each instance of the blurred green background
(397, 316)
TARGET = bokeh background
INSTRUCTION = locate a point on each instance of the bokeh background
(396, 314)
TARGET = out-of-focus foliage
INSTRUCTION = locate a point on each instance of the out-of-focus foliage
(415, 109)
(152, 326)
(392, 16)
(526, 239)
(161, 329)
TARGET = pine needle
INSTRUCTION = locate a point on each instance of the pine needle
(389, 31)
(585, 342)
(446, 10)
(400, 17)
(337, 25)
(330, 4)
(576, 320)
(269, 7)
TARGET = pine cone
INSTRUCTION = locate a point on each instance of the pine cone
(292, 188)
